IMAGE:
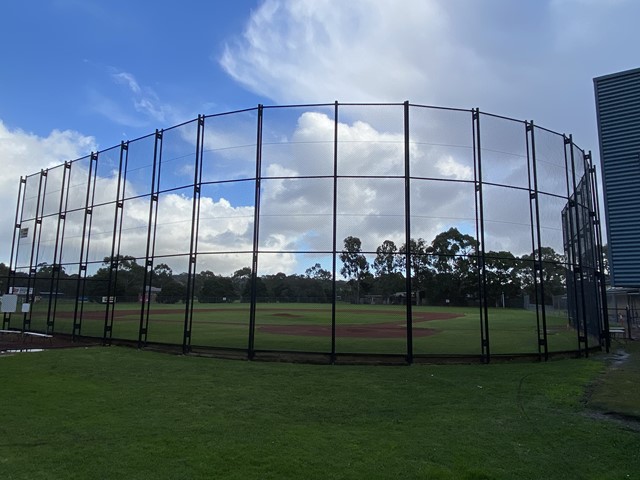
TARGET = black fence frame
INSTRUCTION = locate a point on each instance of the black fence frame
(581, 231)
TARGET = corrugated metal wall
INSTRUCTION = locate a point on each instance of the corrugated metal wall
(618, 110)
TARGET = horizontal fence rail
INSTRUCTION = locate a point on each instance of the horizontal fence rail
(335, 230)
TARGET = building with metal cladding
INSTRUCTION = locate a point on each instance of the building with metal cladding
(618, 110)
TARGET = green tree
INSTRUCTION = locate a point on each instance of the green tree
(44, 276)
(387, 258)
(318, 273)
(553, 273)
(172, 292)
(240, 280)
(503, 276)
(261, 290)
(162, 274)
(453, 260)
(421, 274)
(354, 264)
(318, 284)
(4, 278)
(216, 289)
(126, 281)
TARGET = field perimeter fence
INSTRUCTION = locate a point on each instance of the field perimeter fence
(331, 229)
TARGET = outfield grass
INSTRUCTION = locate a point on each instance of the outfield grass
(121, 413)
(511, 331)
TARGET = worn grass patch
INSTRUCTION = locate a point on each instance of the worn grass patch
(617, 390)
(121, 413)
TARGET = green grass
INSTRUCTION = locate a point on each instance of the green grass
(120, 413)
(617, 391)
(511, 331)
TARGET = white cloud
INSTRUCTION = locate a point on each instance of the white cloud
(26, 152)
(142, 108)
(113, 110)
(529, 60)
(506, 57)
(296, 213)
(448, 167)
(358, 51)
(127, 79)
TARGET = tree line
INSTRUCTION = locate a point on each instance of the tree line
(446, 271)
(443, 271)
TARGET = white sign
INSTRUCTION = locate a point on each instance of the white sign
(24, 232)
(21, 290)
(9, 303)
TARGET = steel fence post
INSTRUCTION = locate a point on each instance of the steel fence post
(256, 236)
(480, 256)
(407, 233)
(538, 262)
(334, 247)
(15, 244)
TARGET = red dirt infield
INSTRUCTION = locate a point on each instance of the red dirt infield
(374, 330)
(394, 329)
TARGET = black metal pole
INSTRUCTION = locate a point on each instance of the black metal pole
(585, 337)
(64, 207)
(484, 307)
(407, 233)
(6, 317)
(600, 257)
(15, 244)
(256, 236)
(93, 181)
(477, 224)
(533, 219)
(56, 267)
(82, 267)
(572, 236)
(193, 243)
(113, 260)
(334, 287)
(35, 249)
(148, 259)
(36, 261)
(37, 227)
(540, 265)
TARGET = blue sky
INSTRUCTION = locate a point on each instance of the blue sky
(80, 75)
(70, 64)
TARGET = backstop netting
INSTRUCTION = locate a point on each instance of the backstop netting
(334, 229)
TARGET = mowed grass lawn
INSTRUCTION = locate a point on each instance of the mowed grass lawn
(113, 413)
(511, 331)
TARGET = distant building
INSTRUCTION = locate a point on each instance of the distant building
(618, 111)
(150, 296)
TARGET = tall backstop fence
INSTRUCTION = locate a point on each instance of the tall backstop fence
(326, 229)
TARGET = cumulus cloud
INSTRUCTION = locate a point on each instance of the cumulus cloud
(459, 53)
(26, 152)
(372, 208)
(297, 191)
(529, 60)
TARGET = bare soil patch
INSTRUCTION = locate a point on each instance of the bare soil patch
(14, 342)
(375, 330)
